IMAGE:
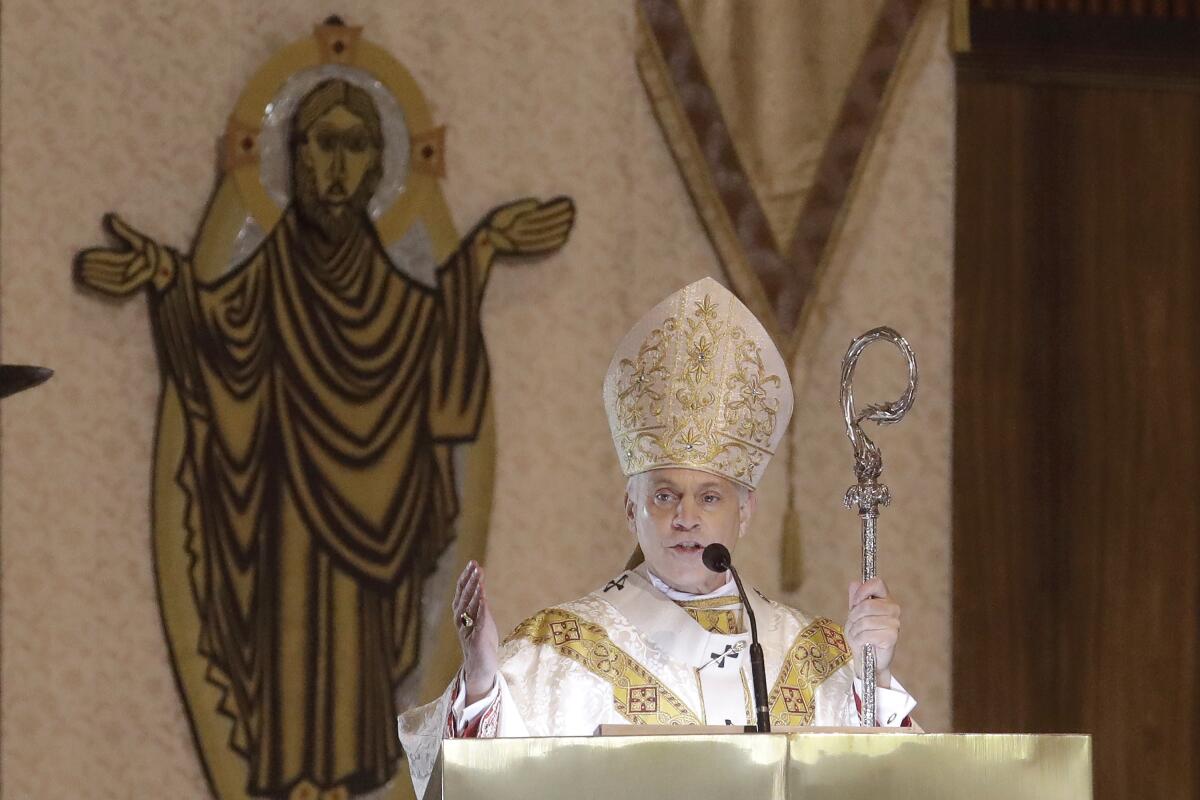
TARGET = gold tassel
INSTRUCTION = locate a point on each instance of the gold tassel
(792, 561)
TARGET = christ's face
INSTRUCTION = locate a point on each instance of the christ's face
(339, 152)
(675, 513)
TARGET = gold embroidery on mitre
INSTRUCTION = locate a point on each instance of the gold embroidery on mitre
(818, 652)
(705, 389)
(638, 695)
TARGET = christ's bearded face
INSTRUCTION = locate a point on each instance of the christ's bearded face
(675, 513)
(339, 152)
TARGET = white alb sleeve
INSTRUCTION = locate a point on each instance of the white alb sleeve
(464, 714)
(892, 705)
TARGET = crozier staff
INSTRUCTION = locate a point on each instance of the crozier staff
(698, 398)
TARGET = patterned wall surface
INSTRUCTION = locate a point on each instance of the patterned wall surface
(107, 105)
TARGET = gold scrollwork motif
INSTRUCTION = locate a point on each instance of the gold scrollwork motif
(638, 695)
(640, 398)
(698, 392)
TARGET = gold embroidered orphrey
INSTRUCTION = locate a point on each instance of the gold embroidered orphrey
(715, 620)
(818, 652)
(638, 695)
(698, 383)
(324, 428)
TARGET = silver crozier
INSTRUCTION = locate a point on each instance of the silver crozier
(869, 494)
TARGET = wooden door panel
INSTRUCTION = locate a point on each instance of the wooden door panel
(1077, 422)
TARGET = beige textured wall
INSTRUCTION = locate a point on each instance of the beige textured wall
(117, 105)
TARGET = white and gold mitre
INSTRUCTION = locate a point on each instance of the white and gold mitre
(698, 383)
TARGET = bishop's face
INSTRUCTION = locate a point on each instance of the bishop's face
(339, 152)
(675, 513)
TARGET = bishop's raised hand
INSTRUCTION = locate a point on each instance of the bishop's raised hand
(477, 633)
(122, 270)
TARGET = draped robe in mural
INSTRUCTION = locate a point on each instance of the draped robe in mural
(321, 387)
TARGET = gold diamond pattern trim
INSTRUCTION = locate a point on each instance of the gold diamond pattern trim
(731, 602)
(723, 621)
(638, 695)
(818, 652)
(715, 614)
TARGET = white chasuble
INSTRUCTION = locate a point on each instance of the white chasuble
(628, 654)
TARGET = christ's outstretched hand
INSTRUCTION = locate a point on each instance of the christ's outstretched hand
(123, 270)
(529, 227)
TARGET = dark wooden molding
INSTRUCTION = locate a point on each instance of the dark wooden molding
(1141, 39)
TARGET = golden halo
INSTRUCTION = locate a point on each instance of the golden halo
(337, 49)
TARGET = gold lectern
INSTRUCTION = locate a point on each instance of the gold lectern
(775, 766)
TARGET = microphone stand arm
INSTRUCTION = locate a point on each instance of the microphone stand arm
(758, 672)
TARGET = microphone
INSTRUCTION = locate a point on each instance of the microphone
(716, 557)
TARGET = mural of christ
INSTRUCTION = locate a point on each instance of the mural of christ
(317, 380)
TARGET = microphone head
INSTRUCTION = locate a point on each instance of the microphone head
(716, 557)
